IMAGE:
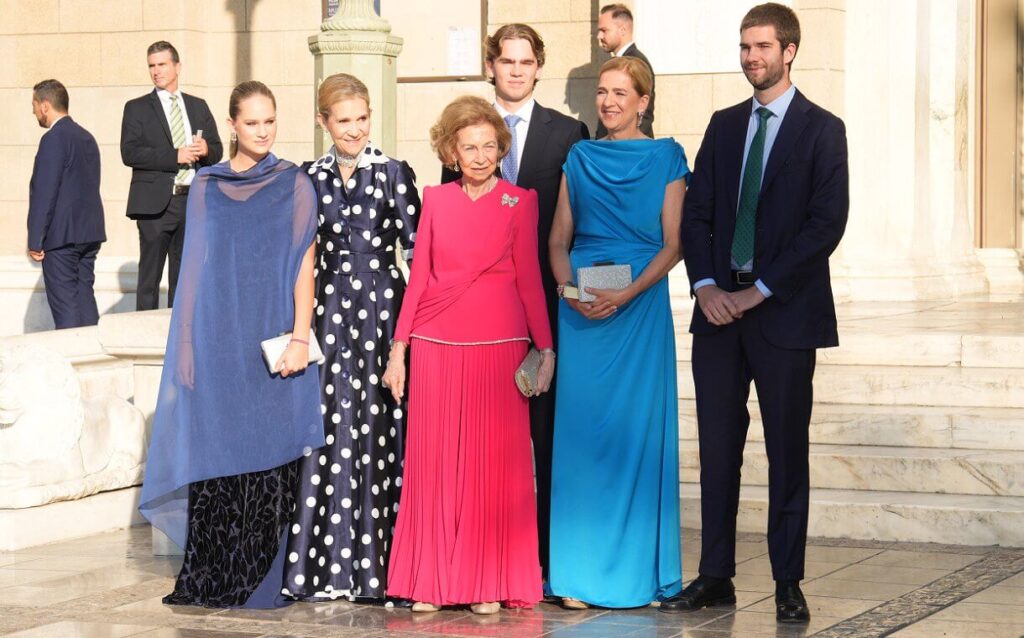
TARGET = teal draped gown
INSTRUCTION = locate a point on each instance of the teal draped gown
(615, 470)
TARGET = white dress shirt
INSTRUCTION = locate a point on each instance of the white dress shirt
(618, 54)
(165, 101)
(525, 112)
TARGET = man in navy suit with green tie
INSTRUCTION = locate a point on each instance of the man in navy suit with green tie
(767, 206)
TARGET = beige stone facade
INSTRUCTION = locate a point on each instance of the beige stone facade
(901, 74)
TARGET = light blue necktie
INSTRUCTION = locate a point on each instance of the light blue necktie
(510, 163)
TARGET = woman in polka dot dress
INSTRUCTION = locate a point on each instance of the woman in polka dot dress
(347, 494)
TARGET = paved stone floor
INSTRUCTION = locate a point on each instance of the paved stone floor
(109, 586)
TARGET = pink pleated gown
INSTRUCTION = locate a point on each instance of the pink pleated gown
(467, 521)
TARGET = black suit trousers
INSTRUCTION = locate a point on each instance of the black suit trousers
(542, 433)
(161, 238)
(69, 274)
(724, 364)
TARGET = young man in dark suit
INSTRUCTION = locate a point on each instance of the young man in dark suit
(767, 206)
(165, 136)
(615, 35)
(65, 212)
(541, 139)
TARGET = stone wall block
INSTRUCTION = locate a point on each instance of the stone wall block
(282, 15)
(684, 103)
(505, 11)
(29, 16)
(100, 16)
(71, 57)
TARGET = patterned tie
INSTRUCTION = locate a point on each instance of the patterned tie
(743, 237)
(177, 134)
(510, 163)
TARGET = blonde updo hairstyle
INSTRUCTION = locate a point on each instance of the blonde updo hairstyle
(464, 111)
(338, 87)
(639, 73)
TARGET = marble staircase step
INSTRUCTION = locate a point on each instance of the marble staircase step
(886, 516)
(894, 425)
(906, 385)
(870, 342)
(887, 469)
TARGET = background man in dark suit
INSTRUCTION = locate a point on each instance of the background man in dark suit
(165, 135)
(615, 35)
(541, 139)
(767, 206)
(65, 212)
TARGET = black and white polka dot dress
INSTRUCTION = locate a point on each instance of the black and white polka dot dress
(346, 498)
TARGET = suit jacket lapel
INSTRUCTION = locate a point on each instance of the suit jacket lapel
(190, 110)
(735, 136)
(536, 140)
(161, 117)
(792, 127)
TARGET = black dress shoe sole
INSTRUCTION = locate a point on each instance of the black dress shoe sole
(793, 621)
(717, 602)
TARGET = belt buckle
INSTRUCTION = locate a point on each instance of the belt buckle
(179, 189)
(743, 277)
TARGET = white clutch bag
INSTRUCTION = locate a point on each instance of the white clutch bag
(273, 349)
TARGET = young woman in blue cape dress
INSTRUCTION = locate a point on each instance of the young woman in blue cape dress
(227, 431)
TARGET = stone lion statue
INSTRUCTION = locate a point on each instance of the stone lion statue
(55, 446)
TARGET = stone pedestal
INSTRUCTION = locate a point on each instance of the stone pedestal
(358, 41)
(909, 236)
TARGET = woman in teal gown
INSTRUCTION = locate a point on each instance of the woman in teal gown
(615, 483)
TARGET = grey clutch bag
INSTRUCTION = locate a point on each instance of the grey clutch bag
(273, 349)
(609, 277)
(528, 371)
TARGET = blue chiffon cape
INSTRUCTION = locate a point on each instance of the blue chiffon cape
(220, 412)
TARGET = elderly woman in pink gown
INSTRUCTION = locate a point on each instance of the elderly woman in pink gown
(467, 525)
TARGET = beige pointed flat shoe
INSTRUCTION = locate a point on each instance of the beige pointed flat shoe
(485, 609)
(574, 603)
(422, 607)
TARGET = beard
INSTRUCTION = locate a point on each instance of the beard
(772, 76)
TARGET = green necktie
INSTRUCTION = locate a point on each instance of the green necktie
(177, 134)
(743, 237)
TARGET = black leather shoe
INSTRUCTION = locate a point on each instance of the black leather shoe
(703, 592)
(790, 604)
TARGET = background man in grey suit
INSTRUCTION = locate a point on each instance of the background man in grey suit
(615, 35)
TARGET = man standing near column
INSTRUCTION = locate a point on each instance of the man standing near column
(767, 206)
(65, 212)
(165, 136)
(541, 139)
(615, 35)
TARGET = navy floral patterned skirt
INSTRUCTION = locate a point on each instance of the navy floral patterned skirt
(235, 528)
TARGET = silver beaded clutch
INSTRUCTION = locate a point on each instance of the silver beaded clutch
(609, 277)
(274, 347)
(528, 372)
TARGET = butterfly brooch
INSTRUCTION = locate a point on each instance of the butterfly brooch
(508, 200)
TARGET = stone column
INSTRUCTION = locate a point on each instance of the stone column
(906, 110)
(357, 41)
